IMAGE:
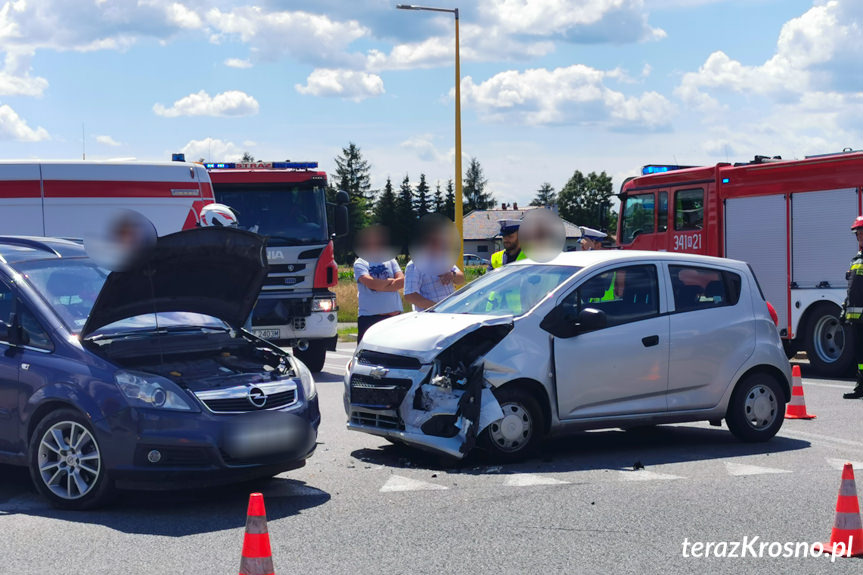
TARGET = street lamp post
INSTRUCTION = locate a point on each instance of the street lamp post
(459, 209)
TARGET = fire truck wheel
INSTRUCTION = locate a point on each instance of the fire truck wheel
(829, 343)
(313, 357)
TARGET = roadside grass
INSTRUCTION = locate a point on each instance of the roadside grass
(348, 334)
(346, 292)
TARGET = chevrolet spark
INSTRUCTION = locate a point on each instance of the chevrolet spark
(144, 378)
(588, 340)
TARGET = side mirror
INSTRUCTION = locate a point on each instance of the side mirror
(591, 319)
(342, 198)
(340, 215)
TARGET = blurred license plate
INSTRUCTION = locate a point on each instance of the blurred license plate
(266, 333)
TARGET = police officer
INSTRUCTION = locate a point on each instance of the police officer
(511, 251)
(591, 239)
(852, 311)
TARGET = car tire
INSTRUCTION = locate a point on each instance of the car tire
(827, 354)
(504, 439)
(66, 463)
(757, 408)
(314, 357)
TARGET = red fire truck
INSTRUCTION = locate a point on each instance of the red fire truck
(286, 202)
(789, 219)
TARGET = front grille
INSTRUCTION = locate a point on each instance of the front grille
(280, 311)
(377, 420)
(389, 360)
(299, 323)
(282, 281)
(286, 268)
(234, 404)
(385, 393)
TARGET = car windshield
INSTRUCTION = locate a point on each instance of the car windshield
(71, 286)
(511, 290)
(288, 214)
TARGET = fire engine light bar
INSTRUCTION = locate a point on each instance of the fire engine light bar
(659, 169)
(261, 165)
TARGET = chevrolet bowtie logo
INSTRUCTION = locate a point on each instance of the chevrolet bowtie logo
(378, 372)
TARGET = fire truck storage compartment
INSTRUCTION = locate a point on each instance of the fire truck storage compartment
(756, 232)
(821, 245)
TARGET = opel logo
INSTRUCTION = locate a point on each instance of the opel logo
(257, 397)
(378, 372)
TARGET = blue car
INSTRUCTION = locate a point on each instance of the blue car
(144, 378)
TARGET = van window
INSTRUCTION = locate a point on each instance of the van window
(662, 213)
(7, 307)
(689, 210)
(638, 217)
(32, 331)
(625, 294)
(703, 288)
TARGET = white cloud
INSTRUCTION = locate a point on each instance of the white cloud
(347, 84)
(230, 103)
(13, 127)
(238, 63)
(426, 150)
(15, 78)
(106, 140)
(572, 95)
(212, 150)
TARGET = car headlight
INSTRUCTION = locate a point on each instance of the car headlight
(324, 304)
(148, 390)
(306, 379)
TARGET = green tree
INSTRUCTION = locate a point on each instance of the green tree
(585, 200)
(545, 196)
(248, 157)
(475, 195)
(449, 201)
(352, 176)
(438, 200)
(422, 206)
(405, 216)
(385, 207)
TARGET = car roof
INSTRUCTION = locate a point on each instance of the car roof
(593, 258)
(18, 249)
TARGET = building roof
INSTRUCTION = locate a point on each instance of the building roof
(482, 224)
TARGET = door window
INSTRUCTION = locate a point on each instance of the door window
(662, 213)
(703, 288)
(638, 217)
(32, 331)
(625, 294)
(688, 210)
(7, 311)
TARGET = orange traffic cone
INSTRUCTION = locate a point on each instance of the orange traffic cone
(797, 406)
(257, 555)
(846, 540)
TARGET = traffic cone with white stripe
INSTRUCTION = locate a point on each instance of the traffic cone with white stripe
(257, 556)
(796, 408)
(846, 540)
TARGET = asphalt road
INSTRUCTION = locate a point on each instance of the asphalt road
(364, 506)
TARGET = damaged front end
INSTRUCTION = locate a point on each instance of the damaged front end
(440, 405)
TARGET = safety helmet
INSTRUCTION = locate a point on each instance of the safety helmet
(858, 223)
(218, 215)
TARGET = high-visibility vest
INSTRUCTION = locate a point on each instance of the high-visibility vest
(609, 293)
(497, 258)
(854, 300)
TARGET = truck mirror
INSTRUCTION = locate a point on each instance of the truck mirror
(340, 215)
(342, 197)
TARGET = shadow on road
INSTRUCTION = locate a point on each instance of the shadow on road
(606, 449)
(168, 513)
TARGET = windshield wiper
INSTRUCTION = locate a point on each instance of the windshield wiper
(287, 240)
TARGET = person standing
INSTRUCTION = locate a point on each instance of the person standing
(852, 311)
(379, 279)
(511, 251)
(431, 275)
(592, 239)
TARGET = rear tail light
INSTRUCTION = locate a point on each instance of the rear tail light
(326, 271)
(773, 315)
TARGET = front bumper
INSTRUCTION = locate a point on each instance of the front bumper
(202, 449)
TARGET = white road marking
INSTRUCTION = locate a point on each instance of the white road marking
(744, 469)
(819, 438)
(644, 475)
(399, 483)
(529, 479)
(839, 464)
(834, 385)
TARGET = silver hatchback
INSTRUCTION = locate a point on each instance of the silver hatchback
(589, 340)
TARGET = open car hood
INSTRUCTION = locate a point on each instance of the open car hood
(213, 271)
(424, 335)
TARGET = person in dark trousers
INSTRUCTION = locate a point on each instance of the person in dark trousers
(852, 311)
(379, 279)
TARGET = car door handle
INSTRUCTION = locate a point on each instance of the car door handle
(650, 340)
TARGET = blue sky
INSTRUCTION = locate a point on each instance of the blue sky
(549, 86)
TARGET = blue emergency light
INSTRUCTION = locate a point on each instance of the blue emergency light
(660, 169)
(262, 165)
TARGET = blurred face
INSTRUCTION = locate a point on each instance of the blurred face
(859, 233)
(587, 244)
(373, 245)
(510, 241)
